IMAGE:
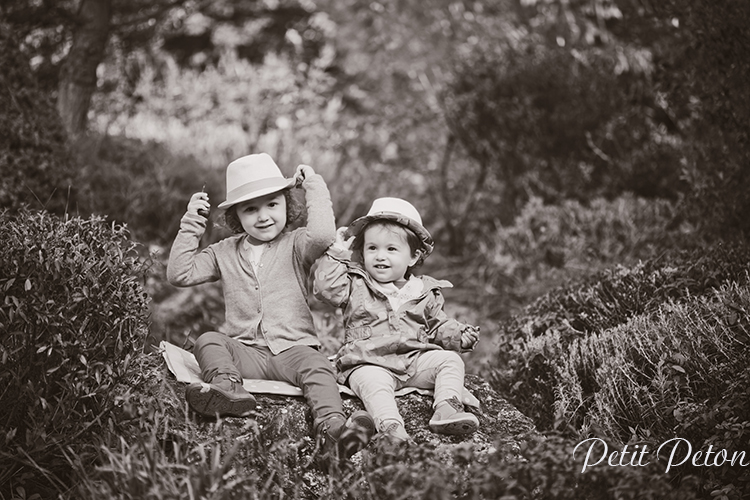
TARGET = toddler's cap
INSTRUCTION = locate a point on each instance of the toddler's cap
(396, 210)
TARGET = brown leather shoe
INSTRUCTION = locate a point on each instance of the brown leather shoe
(357, 432)
(339, 439)
(224, 397)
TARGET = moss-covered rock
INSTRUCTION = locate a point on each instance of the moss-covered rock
(276, 450)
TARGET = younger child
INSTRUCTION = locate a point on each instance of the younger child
(264, 267)
(397, 334)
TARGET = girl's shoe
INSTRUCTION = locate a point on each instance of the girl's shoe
(450, 418)
(223, 397)
(339, 439)
(394, 434)
(356, 433)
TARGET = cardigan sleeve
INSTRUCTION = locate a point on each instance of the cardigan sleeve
(320, 230)
(187, 266)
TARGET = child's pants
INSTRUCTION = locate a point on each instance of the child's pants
(376, 386)
(302, 366)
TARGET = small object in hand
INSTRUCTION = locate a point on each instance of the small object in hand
(203, 212)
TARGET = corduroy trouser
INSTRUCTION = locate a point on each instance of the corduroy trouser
(302, 366)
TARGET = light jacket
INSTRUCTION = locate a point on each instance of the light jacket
(268, 307)
(375, 334)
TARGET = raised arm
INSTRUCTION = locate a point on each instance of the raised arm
(187, 266)
(320, 231)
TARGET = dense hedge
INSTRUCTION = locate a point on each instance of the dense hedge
(641, 354)
(72, 313)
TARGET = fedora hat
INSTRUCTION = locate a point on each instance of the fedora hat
(253, 176)
(396, 210)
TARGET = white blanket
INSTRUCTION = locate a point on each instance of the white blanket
(185, 368)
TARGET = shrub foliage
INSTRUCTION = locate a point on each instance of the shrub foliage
(641, 354)
(160, 452)
(607, 300)
(72, 310)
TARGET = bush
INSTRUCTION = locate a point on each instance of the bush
(537, 344)
(559, 123)
(72, 312)
(35, 163)
(546, 242)
(549, 245)
(706, 81)
(680, 371)
(641, 354)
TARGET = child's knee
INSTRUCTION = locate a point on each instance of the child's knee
(369, 379)
(316, 363)
(450, 362)
(209, 338)
(451, 358)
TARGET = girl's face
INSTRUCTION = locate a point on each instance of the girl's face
(386, 254)
(263, 218)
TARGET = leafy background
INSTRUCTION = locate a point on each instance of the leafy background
(581, 164)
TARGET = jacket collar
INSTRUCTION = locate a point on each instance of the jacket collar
(430, 283)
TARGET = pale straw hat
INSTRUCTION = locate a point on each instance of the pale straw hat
(399, 211)
(253, 176)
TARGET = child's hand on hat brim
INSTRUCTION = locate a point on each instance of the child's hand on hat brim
(199, 201)
(303, 172)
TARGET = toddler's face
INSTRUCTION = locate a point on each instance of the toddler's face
(263, 218)
(386, 254)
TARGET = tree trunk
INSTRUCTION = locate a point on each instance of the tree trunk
(78, 75)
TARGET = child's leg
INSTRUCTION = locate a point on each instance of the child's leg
(219, 354)
(375, 386)
(221, 359)
(310, 370)
(445, 371)
(442, 371)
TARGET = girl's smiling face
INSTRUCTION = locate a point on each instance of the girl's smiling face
(263, 218)
(386, 253)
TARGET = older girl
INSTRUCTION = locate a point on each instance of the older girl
(263, 268)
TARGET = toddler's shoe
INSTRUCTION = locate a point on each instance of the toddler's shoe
(224, 397)
(450, 418)
(393, 434)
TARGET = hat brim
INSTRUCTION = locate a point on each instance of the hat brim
(239, 196)
(356, 227)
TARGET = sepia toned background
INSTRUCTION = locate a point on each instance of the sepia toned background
(582, 164)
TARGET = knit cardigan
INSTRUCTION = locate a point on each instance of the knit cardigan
(268, 307)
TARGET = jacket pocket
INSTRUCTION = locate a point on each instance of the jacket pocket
(358, 333)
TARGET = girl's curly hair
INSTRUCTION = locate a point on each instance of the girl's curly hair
(293, 212)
